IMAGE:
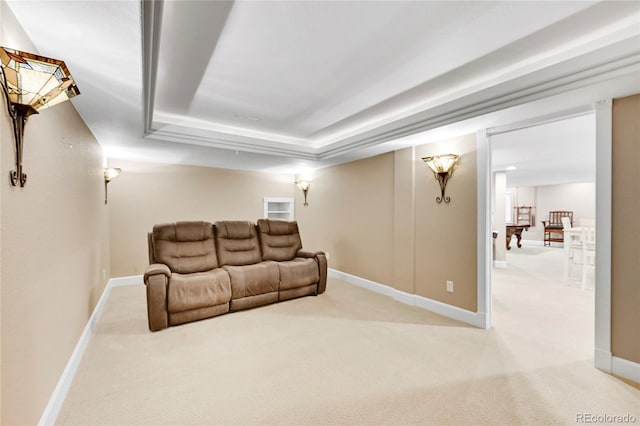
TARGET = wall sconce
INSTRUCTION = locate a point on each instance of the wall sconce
(30, 83)
(442, 168)
(109, 175)
(304, 186)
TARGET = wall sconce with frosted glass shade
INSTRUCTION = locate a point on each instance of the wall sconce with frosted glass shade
(30, 83)
(442, 168)
(304, 185)
(109, 175)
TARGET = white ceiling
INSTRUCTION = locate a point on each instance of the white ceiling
(561, 151)
(291, 85)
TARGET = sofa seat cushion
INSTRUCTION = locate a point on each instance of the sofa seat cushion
(253, 301)
(298, 272)
(198, 314)
(293, 293)
(198, 290)
(252, 280)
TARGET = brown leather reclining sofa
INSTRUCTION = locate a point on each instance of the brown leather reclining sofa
(198, 270)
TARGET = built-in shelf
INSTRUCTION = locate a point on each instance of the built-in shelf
(278, 208)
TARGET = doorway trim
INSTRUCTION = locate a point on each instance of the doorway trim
(602, 109)
(484, 238)
(604, 126)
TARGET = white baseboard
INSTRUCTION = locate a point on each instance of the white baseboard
(624, 368)
(476, 319)
(59, 394)
(502, 264)
(602, 360)
(130, 280)
(608, 363)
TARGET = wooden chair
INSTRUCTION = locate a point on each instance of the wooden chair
(553, 227)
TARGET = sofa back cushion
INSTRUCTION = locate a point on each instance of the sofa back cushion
(185, 247)
(237, 243)
(279, 239)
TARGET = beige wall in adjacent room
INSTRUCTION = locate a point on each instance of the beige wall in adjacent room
(580, 198)
(350, 216)
(446, 234)
(498, 221)
(146, 194)
(54, 247)
(625, 230)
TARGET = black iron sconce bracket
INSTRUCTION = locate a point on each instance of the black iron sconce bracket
(443, 178)
(18, 114)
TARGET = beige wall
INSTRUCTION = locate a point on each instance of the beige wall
(146, 194)
(350, 216)
(446, 234)
(379, 220)
(54, 247)
(404, 220)
(625, 230)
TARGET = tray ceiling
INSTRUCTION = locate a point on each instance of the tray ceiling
(285, 85)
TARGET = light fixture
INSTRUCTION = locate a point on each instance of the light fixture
(109, 175)
(304, 186)
(442, 168)
(30, 83)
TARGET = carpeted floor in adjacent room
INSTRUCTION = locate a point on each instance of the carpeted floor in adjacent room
(353, 357)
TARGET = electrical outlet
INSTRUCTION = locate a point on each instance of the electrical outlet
(450, 286)
(104, 274)
(327, 255)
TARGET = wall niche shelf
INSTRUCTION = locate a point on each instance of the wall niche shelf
(278, 208)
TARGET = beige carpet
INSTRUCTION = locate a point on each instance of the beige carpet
(350, 357)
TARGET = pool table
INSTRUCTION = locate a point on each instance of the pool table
(515, 229)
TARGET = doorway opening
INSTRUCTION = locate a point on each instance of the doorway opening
(544, 288)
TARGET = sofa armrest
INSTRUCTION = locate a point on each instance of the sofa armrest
(308, 254)
(156, 278)
(156, 269)
(321, 258)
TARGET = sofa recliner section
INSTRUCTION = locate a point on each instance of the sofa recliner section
(254, 282)
(184, 282)
(198, 270)
(301, 273)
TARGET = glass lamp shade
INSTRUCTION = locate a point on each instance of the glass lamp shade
(35, 82)
(111, 173)
(304, 184)
(441, 163)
